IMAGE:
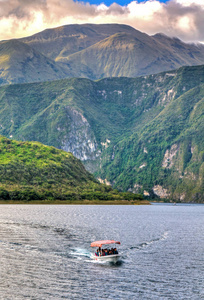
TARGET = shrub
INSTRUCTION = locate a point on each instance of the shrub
(4, 194)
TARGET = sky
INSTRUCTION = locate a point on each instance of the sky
(120, 2)
(176, 18)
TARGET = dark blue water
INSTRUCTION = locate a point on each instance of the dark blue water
(45, 252)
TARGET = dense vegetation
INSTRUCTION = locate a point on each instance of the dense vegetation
(180, 127)
(148, 131)
(33, 171)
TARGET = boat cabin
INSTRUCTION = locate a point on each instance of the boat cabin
(104, 251)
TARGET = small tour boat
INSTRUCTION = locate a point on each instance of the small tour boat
(105, 254)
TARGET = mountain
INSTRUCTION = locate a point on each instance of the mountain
(33, 171)
(93, 51)
(142, 134)
(131, 55)
(65, 40)
(20, 63)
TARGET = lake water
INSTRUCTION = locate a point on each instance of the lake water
(45, 252)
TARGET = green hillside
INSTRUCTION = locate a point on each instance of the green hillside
(140, 134)
(167, 153)
(33, 171)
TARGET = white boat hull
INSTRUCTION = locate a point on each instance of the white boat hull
(107, 258)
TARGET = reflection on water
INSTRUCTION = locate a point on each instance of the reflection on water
(46, 254)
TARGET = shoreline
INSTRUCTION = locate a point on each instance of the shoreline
(77, 202)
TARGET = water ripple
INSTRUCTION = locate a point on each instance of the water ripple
(45, 252)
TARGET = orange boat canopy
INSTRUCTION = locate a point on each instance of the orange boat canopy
(104, 242)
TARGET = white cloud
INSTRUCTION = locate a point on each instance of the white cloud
(181, 18)
(144, 9)
(190, 2)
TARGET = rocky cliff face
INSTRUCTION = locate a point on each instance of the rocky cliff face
(160, 191)
(80, 140)
(169, 155)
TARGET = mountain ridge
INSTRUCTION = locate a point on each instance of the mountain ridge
(93, 51)
(81, 36)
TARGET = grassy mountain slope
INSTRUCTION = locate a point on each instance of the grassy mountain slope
(65, 40)
(33, 171)
(92, 51)
(185, 54)
(132, 54)
(20, 63)
(141, 134)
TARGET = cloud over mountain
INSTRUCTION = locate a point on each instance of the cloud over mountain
(182, 18)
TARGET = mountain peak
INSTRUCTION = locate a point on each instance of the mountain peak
(93, 51)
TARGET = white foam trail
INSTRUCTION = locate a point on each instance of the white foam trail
(81, 252)
(165, 235)
(146, 244)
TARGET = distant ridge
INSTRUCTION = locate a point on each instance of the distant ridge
(20, 63)
(69, 39)
(93, 51)
(131, 55)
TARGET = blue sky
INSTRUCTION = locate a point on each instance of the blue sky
(120, 2)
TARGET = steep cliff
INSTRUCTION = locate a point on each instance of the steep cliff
(80, 140)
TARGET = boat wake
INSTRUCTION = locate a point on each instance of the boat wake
(148, 243)
(80, 252)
